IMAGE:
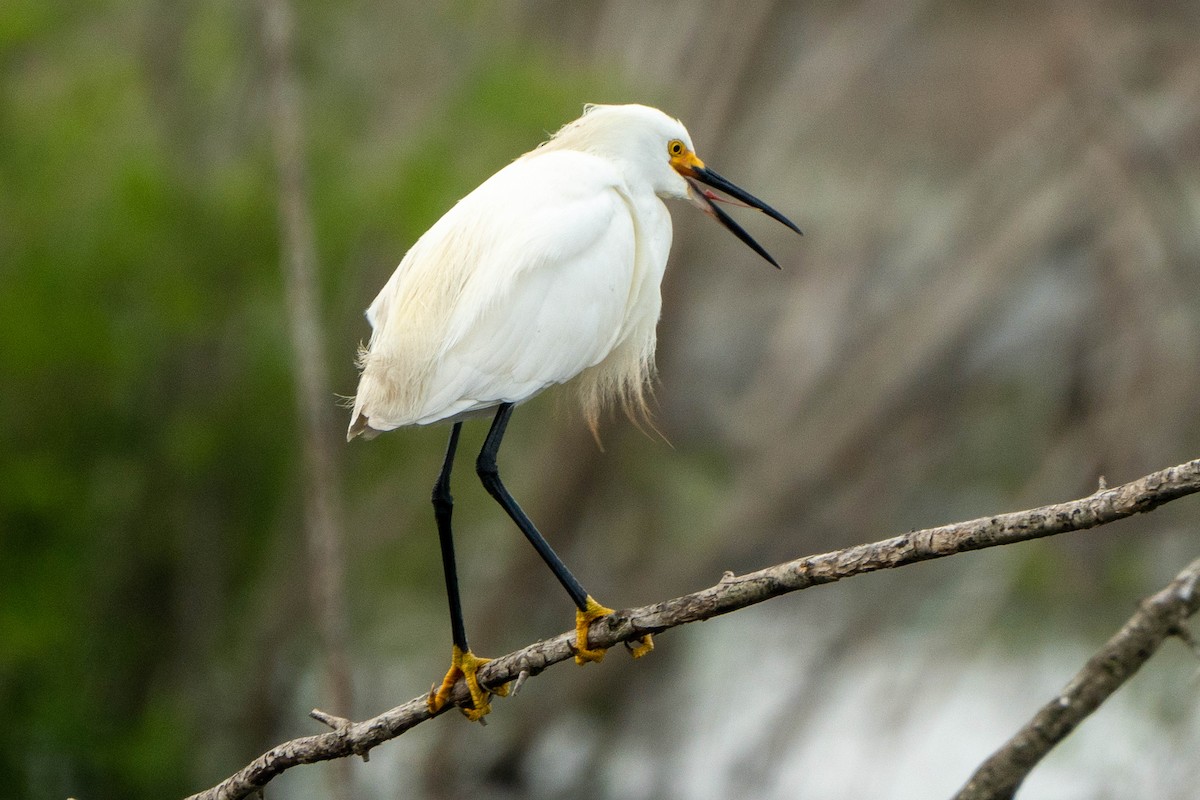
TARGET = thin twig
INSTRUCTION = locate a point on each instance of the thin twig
(1159, 616)
(731, 594)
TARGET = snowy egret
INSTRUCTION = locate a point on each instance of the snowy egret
(549, 271)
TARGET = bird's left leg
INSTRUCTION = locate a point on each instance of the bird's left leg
(463, 663)
(588, 610)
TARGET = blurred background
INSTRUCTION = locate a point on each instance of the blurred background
(996, 302)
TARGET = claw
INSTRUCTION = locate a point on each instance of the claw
(583, 619)
(644, 646)
(465, 665)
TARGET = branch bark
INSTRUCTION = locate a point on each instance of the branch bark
(730, 594)
(1159, 616)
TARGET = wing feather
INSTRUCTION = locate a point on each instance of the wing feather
(522, 285)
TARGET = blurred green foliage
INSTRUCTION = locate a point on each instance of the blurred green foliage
(147, 404)
(139, 344)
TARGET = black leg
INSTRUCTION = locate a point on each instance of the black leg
(489, 474)
(463, 663)
(443, 507)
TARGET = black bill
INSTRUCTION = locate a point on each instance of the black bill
(705, 176)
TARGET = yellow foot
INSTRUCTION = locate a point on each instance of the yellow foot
(583, 619)
(644, 645)
(465, 665)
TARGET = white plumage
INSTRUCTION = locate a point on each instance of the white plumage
(549, 269)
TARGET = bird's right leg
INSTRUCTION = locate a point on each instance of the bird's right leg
(463, 663)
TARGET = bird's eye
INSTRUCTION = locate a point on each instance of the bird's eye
(676, 148)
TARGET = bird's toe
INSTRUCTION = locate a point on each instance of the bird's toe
(465, 665)
(583, 619)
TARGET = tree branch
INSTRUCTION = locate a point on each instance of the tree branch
(1159, 616)
(730, 594)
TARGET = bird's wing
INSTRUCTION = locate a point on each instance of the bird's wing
(523, 284)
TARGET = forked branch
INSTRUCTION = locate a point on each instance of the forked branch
(1159, 616)
(731, 594)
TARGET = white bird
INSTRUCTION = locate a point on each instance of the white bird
(548, 272)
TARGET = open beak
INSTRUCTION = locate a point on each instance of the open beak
(699, 176)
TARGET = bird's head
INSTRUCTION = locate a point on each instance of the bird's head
(658, 149)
